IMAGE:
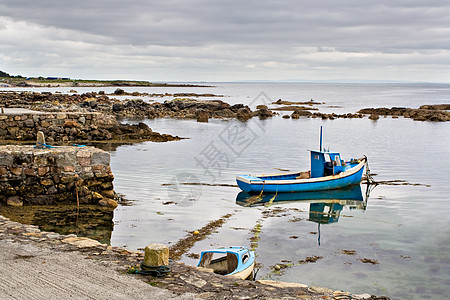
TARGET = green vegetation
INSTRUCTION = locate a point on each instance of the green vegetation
(3, 74)
(99, 82)
(30, 81)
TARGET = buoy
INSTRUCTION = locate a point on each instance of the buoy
(196, 232)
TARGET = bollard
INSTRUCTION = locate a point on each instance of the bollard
(156, 255)
(40, 141)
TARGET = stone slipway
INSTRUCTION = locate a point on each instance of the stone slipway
(46, 265)
(38, 265)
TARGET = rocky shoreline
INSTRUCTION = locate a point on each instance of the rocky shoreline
(183, 279)
(202, 110)
(136, 108)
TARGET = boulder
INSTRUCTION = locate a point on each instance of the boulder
(202, 115)
(14, 201)
(263, 112)
(106, 202)
(374, 117)
(244, 113)
(117, 107)
(108, 193)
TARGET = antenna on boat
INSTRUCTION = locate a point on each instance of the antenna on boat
(320, 138)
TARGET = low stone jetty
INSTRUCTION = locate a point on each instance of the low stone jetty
(56, 175)
(65, 127)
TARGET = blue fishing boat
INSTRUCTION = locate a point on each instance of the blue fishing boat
(328, 172)
(232, 261)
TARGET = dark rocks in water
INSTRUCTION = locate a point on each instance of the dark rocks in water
(383, 111)
(119, 92)
(300, 113)
(293, 108)
(202, 115)
(333, 116)
(436, 107)
(369, 261)
(282, 102)
(263, 112)
(244, 113)
(374, 117)
(435, 113)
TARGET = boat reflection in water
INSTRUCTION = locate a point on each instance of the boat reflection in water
(351, 196)
(324, 206)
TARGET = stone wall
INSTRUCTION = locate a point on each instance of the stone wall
(67, 127)
(56, 126)
(55, 175)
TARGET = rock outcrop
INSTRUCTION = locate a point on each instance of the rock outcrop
(435, 113)
(135, 108)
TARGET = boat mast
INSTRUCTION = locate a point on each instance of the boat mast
(320, 139)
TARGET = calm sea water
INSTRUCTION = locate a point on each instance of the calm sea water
(397, 244)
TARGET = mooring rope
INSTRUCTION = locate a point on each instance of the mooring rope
(369, 177)
(152, 271)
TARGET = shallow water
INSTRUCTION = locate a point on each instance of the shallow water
(397, 244)
(403, 229)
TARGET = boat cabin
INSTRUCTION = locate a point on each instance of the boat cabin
(324, 163)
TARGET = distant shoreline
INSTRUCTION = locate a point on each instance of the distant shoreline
(53, 83)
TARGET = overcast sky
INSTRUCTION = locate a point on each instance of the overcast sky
(206, 40)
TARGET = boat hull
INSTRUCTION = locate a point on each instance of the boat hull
(244, 274)
(282, 183)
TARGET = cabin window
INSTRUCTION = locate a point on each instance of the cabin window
(316, 156)
(337, 160)
(327, 158)
(245, 258)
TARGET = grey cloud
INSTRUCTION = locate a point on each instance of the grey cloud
(193, 23)
(210, 34)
